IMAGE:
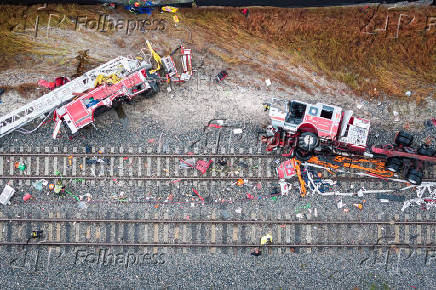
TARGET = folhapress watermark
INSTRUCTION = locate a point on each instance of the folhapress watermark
(101, 23)
(106, 257)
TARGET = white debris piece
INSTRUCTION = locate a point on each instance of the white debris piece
(285, 187)
(408, 93)
(6, 195)
(237, 131)
(268, 82)
(340, 204)
(420, 200)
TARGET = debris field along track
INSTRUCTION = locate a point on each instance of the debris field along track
(217, 234)
(138, 166)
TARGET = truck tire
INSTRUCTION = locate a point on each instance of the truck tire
(414, 176)
(308, 141)
(403, 139)
(302, 155)
(152, 91)
(426, 150)
(394, 164)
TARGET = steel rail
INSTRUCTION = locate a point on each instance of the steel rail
(162, 221)
(217, 245)
(150, 155)
(167, 178)
(172, 178)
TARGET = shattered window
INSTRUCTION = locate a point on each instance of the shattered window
(327, 112)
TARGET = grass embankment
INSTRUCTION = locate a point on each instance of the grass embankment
(344, 44)
(17, 30)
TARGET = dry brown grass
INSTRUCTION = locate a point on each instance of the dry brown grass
(17, 36)
(336, 43)
(26, 90)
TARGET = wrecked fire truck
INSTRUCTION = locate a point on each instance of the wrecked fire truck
(76, 102)
(320, 129)
(111, 90)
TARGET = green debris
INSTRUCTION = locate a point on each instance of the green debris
(75, 196)
(22, 167)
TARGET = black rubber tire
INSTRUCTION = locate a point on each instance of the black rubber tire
(414, 176)
(101, 110)
(426, 150)
(394, 164)
(308, 141)
(302, 155)
(404, 139)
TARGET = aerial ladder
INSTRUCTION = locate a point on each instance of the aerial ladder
(39, 108)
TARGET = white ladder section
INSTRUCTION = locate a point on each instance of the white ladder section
(121, 66)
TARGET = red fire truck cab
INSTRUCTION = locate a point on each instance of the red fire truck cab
(304, 127)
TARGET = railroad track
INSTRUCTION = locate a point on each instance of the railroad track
(135, 166)
(216, 234)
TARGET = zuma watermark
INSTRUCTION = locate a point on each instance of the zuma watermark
(106, 257)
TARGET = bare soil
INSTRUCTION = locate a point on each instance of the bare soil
(224, 39)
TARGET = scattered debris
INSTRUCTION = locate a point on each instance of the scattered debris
(424, 202)
(20, 166)
(340, 204)
(221, 76)
(82, 205)
(237, 131)
(39, 184)
(268, 82)
(408, 93)
(390, 197)
(240, 182)
(87, 195)
(35, 235)
(266, 240)
(6, 195)
(430, 123)
(256, 252)
(58, 82)
(286, 170)
(358, 206)
(58, 188)
(285, 187)
(245, 12)
(27, 196)
(203, 165)
(238, 210)
(196, 192)
(170, 9)
(186, 164)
